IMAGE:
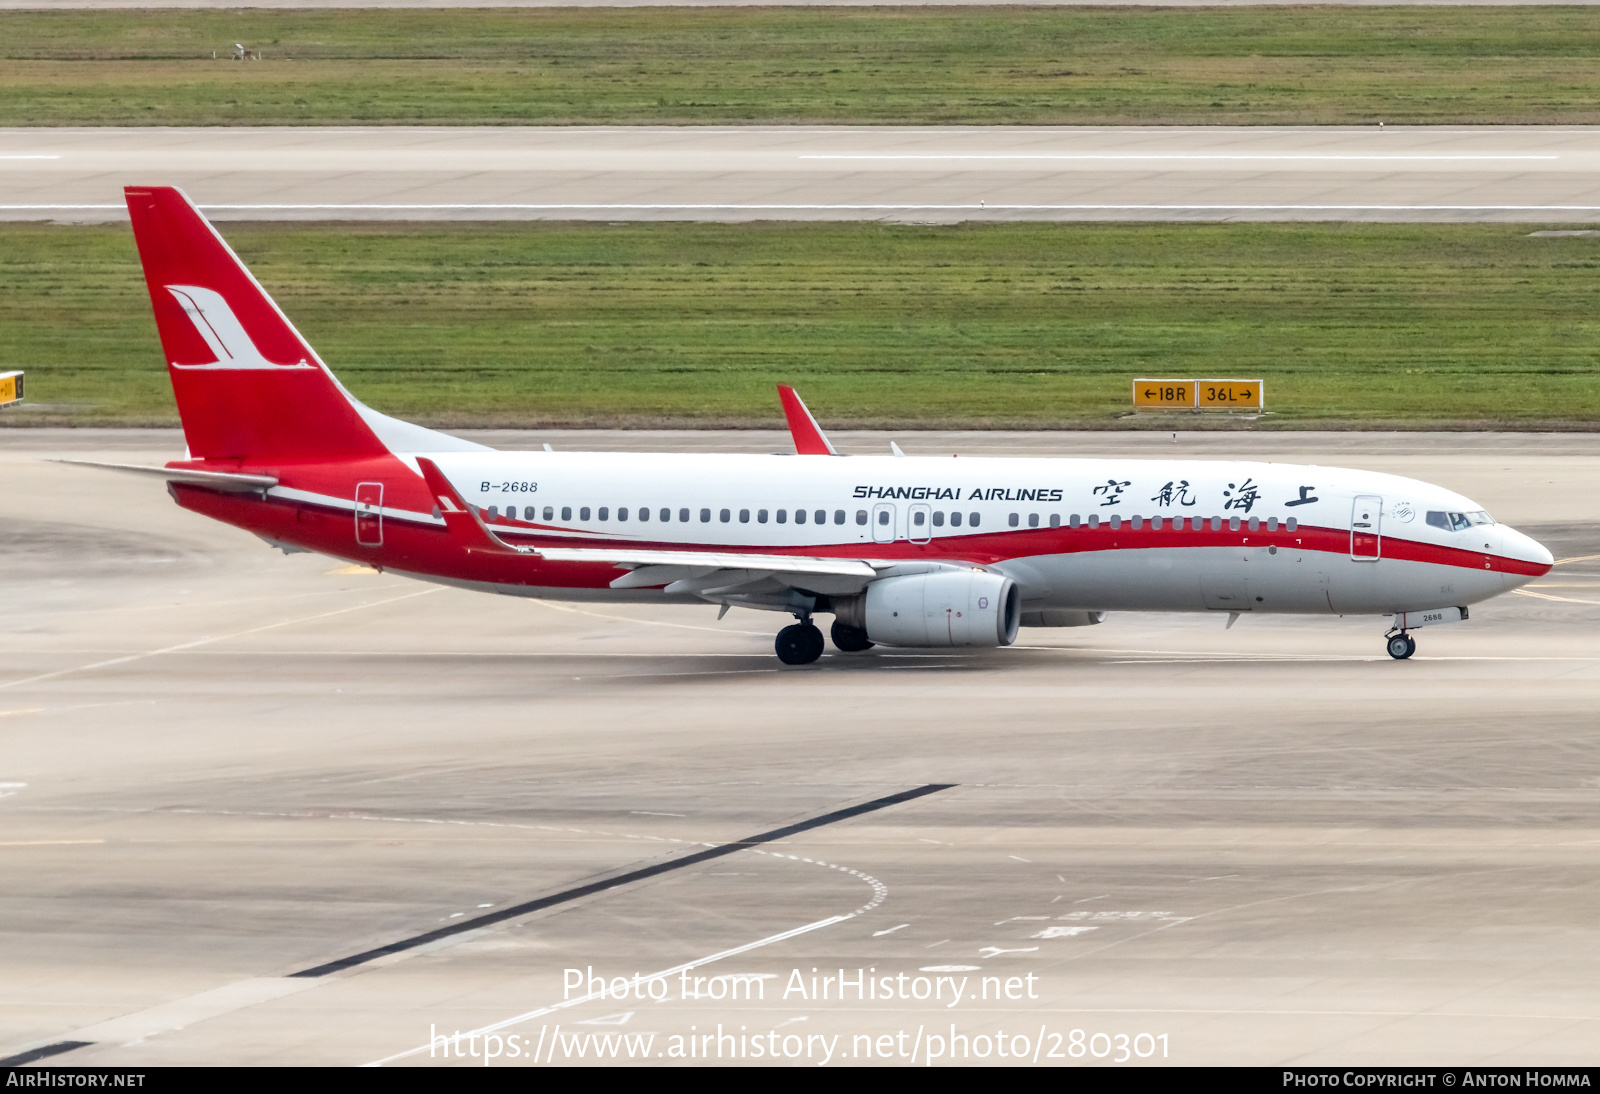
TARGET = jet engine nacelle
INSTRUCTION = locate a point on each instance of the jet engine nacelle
(944, 608)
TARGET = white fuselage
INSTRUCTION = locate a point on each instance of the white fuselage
(1093, 534)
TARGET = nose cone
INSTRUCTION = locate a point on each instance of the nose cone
(1535, 558)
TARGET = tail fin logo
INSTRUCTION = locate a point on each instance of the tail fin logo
(223, 332)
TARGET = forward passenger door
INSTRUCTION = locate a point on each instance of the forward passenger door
(1366, 528)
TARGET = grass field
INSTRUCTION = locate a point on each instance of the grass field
(987, 65)
(995, 324)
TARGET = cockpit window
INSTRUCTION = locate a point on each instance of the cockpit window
(1458, 522)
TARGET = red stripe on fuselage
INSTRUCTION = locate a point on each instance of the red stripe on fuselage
(428, 549)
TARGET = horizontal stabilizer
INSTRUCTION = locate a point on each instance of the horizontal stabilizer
(226, 481)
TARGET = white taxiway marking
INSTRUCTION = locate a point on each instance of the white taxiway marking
(1548, 596)
(996, 951)
(207, 641)
(29, 157)
(879, 893)
(1187, 156)
(663, 974)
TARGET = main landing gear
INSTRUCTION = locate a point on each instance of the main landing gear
(1401, 645)
(799, 644)
(848, 639)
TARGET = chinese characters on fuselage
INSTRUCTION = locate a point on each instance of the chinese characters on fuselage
(1241, 496)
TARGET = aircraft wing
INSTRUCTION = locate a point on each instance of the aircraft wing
(744, 576)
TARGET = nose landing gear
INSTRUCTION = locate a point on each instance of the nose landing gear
(1401, 645)
(799, 644)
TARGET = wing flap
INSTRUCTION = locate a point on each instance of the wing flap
(711, 560)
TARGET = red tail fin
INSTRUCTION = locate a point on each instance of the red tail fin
(248, 385)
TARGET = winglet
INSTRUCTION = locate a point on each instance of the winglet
(461, 519)
(809, 440)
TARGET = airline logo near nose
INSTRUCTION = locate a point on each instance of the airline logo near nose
(223, 332)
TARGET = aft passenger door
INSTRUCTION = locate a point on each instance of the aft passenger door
(369, 514)
(1366, 528)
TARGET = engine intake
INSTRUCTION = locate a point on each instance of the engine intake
(945, 608)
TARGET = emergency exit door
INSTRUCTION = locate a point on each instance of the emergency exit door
(369, 514)
(883, 515)
(1366, 528)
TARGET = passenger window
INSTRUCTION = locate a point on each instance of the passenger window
(644, 513)
(604, 512)
(494, 512)
(820, 516)
(549, 512)
(916, 518)
(1233, 524)
(1094, 520)
(883, 516)
(761, 516)
(861, 516)
(683, 516)
(838, 516)
(1116, 522)
(583, 514)
(1155, 524)
(1216, 524)
(566, 512)
(1033, 520)
(1292, 524)
(744, 516)
(783, 516)
(725, 516)
(1272, 524)
(1255, 523)
(1136, 522)
(938, 519)
(705, 516)
(972, 519)
(955, 520)
(1055, 520)
(1074, 521)
(1012, 520)
(622, 514)
(799, 516)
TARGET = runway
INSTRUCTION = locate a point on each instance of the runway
(937, 174)
(287, 5)
(223, 767)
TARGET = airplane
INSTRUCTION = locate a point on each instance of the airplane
(902, 551)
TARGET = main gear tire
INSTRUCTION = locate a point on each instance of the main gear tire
(799, 644)
(1401, 646)
(849, 639)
